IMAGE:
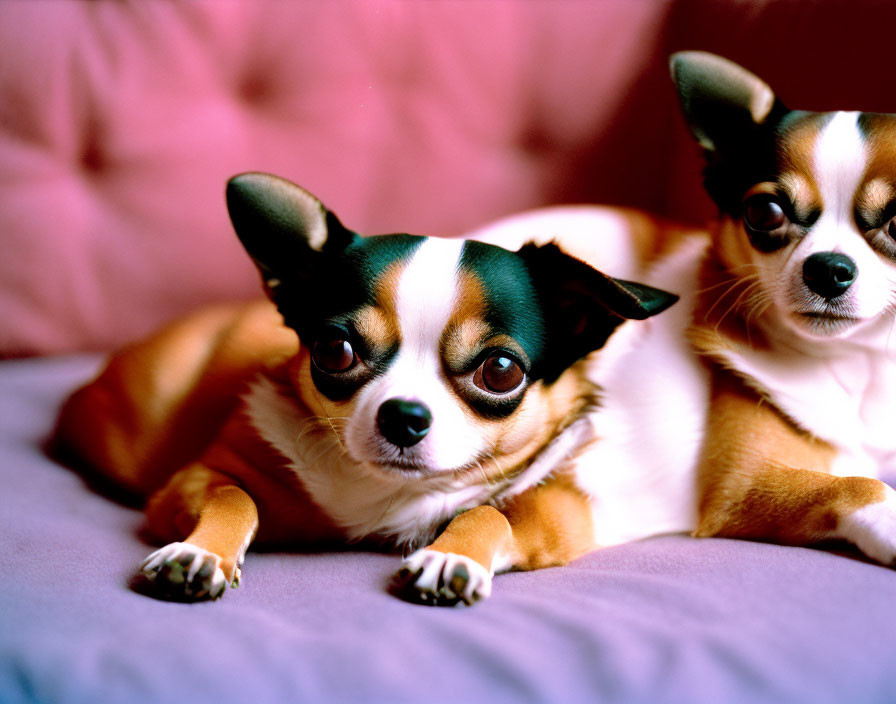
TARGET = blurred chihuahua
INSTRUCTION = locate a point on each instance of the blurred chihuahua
(796, 314)
(436, 382)
(789, 302)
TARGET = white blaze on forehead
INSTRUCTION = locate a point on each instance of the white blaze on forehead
(427, 294)
(426, 297)
(841, 157)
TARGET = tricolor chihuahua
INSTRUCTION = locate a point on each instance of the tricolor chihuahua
(796, 314)
(429, 394)
(788, 307)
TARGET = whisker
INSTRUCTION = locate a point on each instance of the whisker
(736, 302)
(502, 477)
(756, 305)
(333, 428)
(736, 277)
(326, 450)
(715, 286)
(489, 482)
(389, 505)
(747, 281)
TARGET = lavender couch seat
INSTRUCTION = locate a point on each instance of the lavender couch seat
(119, 124)
(671, 619)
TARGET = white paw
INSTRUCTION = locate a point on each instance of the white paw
(442, 579)
(185, 571)
(872, 529)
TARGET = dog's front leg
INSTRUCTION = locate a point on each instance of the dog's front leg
(458, 567)
(211, 521)
(545, 526)
(763, 479)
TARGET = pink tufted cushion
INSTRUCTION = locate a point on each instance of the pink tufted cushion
(120, 122)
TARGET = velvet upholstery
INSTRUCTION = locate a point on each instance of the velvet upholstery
(119, 124)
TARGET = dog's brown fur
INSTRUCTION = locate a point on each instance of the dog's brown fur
(762, 476)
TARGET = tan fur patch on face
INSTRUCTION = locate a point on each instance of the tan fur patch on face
(467, 328)
(378, 326)
(467, 332)
(881, 131)
(513, 440)
(874, 196)
(379, 323)
(460, 338)
(471, 298)
(802, 193)
(796, 157)
(730, 299)
(879, 187)
(730, 245)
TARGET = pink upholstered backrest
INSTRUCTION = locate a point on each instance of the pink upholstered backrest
(120, 123)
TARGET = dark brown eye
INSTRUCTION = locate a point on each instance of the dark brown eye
(332, 352)
(891, 229)
(763, 213)
(499, 374)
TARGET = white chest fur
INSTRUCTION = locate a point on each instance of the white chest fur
(843, 392)
(641, 472)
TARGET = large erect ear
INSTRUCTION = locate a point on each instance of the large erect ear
(723, 103)
(282, 226)
(583, 306)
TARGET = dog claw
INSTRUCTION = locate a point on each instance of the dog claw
(460, 579)
(442, 579)
(186, 572)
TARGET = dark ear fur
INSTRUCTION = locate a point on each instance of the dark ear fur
(734, 116)
(722, 102)
(282, 226)
(583, 306)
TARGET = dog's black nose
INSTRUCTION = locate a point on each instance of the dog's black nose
(829, 274)
(403, 423)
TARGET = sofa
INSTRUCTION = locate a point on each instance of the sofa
(119, 125)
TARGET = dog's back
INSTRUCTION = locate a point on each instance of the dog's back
(158, 403)
(654, 389)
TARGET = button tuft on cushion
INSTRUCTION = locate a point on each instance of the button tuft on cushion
(255, 88)
(92, 157)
